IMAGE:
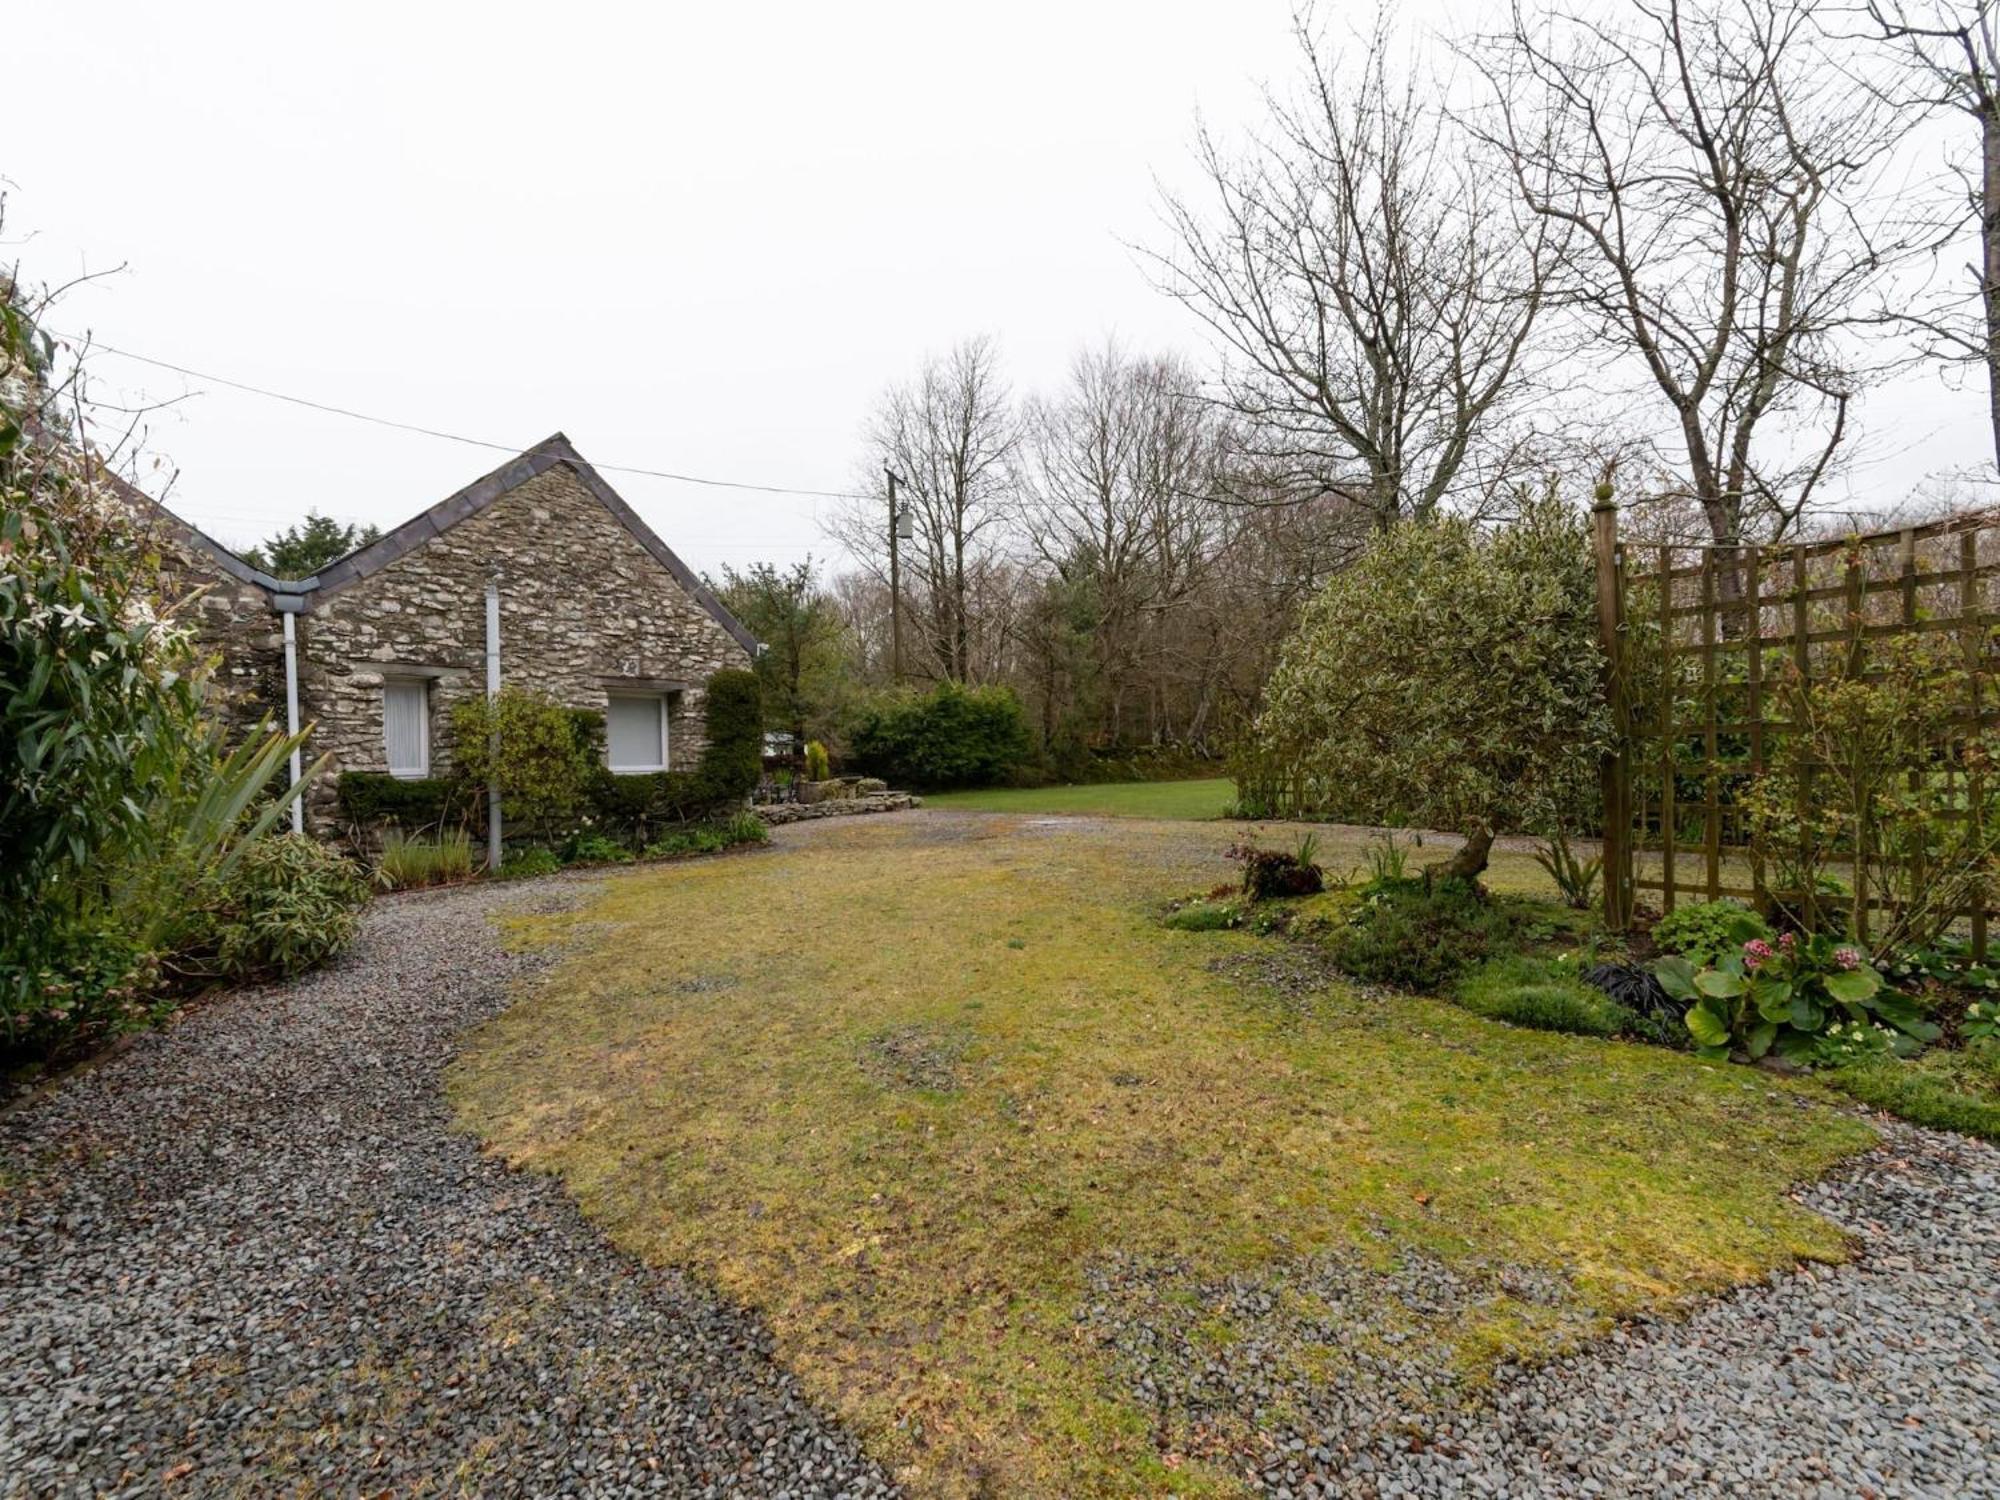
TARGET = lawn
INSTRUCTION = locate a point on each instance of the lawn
(1131, 799)
(997, 1155)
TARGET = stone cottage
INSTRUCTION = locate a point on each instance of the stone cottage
(538, 570)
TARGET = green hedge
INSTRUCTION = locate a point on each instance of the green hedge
(951, 736)
(377, 797)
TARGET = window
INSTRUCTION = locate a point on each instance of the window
(635, 733)
(406, 727)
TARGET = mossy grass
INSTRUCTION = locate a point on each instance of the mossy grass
(1944, 1090)
(1544, 993)
(920, 1245)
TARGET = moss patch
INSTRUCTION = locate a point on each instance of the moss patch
(1538, 992)
(923, 1253)
(1944, 1090)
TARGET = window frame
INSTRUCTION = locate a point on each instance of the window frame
(422, 686)
(660, 706)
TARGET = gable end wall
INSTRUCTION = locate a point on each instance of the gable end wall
(581, 599)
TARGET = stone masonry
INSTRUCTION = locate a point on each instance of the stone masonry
(590, 604)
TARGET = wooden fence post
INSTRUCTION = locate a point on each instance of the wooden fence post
(1616, 772)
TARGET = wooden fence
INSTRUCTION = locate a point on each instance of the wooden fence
(1704, 645)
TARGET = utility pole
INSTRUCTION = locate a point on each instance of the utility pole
(898, 529)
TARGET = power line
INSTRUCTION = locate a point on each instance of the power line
(450, 437)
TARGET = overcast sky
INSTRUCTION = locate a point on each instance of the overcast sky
(693, 238)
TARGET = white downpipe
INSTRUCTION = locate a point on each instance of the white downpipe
(292, 715)
(493, 692)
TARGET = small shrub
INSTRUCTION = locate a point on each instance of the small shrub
(407, 864)
(525, 864)
(1204, 916)
(533, 746)
(1706, 931)
(1542, 994)
(1417, 934)
(817, 766)
(1270, 874)
(1574, 876)
(287, 905)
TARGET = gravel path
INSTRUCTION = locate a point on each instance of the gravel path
(249, 1257)
(1879, 1378)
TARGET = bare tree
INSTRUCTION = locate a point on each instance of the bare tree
(1949, 53)
(1373, 292)
(1711, 169)
(1119, 475)
(949, 435)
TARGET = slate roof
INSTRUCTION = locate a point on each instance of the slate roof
(441, 517)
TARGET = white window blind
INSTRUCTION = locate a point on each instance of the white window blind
(406, 727)
(635, 734)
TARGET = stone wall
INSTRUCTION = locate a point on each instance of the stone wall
(584, 609)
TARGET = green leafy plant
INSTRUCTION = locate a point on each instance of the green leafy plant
(1705, 931)
(710, 838)
(817, 767)
(367, 798)
(1945, 964)
(525, 864)
(1981, 1027)
(1780, 996)
(407, 863)
(594, 849)
(1574, 876)
(288, 904)
(1845, 1043)
(120, 791)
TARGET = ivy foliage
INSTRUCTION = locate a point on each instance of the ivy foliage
(1448, 679)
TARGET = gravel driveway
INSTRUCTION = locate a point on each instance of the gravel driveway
(249, 1256)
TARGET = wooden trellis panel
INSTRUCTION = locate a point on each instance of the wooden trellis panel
(1695, 636)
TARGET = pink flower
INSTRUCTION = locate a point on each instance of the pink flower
(1788, 941)
(1847, 958)
(1755, 953)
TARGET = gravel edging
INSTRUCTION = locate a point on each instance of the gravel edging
(249, 1255)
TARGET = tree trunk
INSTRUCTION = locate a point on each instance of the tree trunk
(1469, 863)
(1989, 225)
